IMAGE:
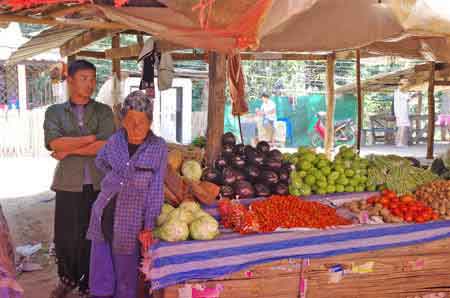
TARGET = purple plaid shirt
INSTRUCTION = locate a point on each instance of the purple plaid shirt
(139, 184)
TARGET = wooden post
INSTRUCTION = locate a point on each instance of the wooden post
(216, 105)
(115, 44)
(431, 113)
(331, 103)
(360, 99)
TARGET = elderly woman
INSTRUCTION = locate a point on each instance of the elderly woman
(134, 163)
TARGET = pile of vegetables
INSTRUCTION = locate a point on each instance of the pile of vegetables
(437, 195)
(315, 174)
(392, 208)
(247, 172)
(278, 212)
(186, 221)
(398, 174)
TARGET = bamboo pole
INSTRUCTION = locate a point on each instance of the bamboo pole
(360, 99)
(216, 105)
(431, 113)
(331, 103)
(115, 43)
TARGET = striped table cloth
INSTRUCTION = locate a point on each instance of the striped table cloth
(175, 263)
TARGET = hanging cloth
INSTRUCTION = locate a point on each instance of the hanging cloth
(237, 85)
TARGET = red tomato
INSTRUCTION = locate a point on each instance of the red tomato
(395, 200)
(434, 216)
(407, 199)
(384, 200)
(420, 219)
(396, 212)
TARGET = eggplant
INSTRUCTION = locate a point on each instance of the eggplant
(239, 175)
(228, 176)
(263, 147)
(239, 149)
(221, 163)
(269, 177)
(262, 190)
(212, 175)
(249, 152)
(284, 175)
(228, 139)
(272, 164)
(238, 162)
(253, 172)
(227, 150)
(258, 159)
(414, 161)
(226, 191)
(275, 155)
(243, 189)
(281, 189)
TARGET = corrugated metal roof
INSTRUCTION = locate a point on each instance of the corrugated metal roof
(45, 41)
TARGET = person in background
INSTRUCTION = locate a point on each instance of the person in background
(134, 162)
(444, 117)
(268, 112)
(401, 112)
(75, 131)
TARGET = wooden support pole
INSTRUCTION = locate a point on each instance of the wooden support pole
(216, 105)
(431, 113)
(331, 103)
(115, 43)
(360, 99)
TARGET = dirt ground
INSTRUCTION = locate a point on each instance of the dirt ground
(31, 221)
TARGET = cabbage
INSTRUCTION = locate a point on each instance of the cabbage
(204, 228)
(200, 213)
(190, 206)
(192, 170)
(181, 215)
(165, 210)
(174, 230)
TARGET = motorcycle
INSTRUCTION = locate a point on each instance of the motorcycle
(344, 131)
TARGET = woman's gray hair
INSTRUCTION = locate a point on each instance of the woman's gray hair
(137, 101)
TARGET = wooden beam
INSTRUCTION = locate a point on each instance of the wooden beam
(75, 44)
(431, 113)
(91, 54)
(124, 52)
(216, 105)
(331, 103)
(360, 99)
(442, 83)
(61, 12)
(135, 49)
(55, 22)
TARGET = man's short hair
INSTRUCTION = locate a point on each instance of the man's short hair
(264, 95)
(78, 65)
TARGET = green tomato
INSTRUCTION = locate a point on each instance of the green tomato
(354, 182)
(326, 171)
(371, 187)
(349, 188)
(331, 189)
(359, 188)
(333, 176)
(294, 191)
(339, 169)
(349, 173)
(321, 184)
(322, 164)
(304, 165)
(340, 188)
(297, 183)
(310, 180)
(342, 181)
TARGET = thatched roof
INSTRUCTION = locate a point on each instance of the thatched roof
(412, 28)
